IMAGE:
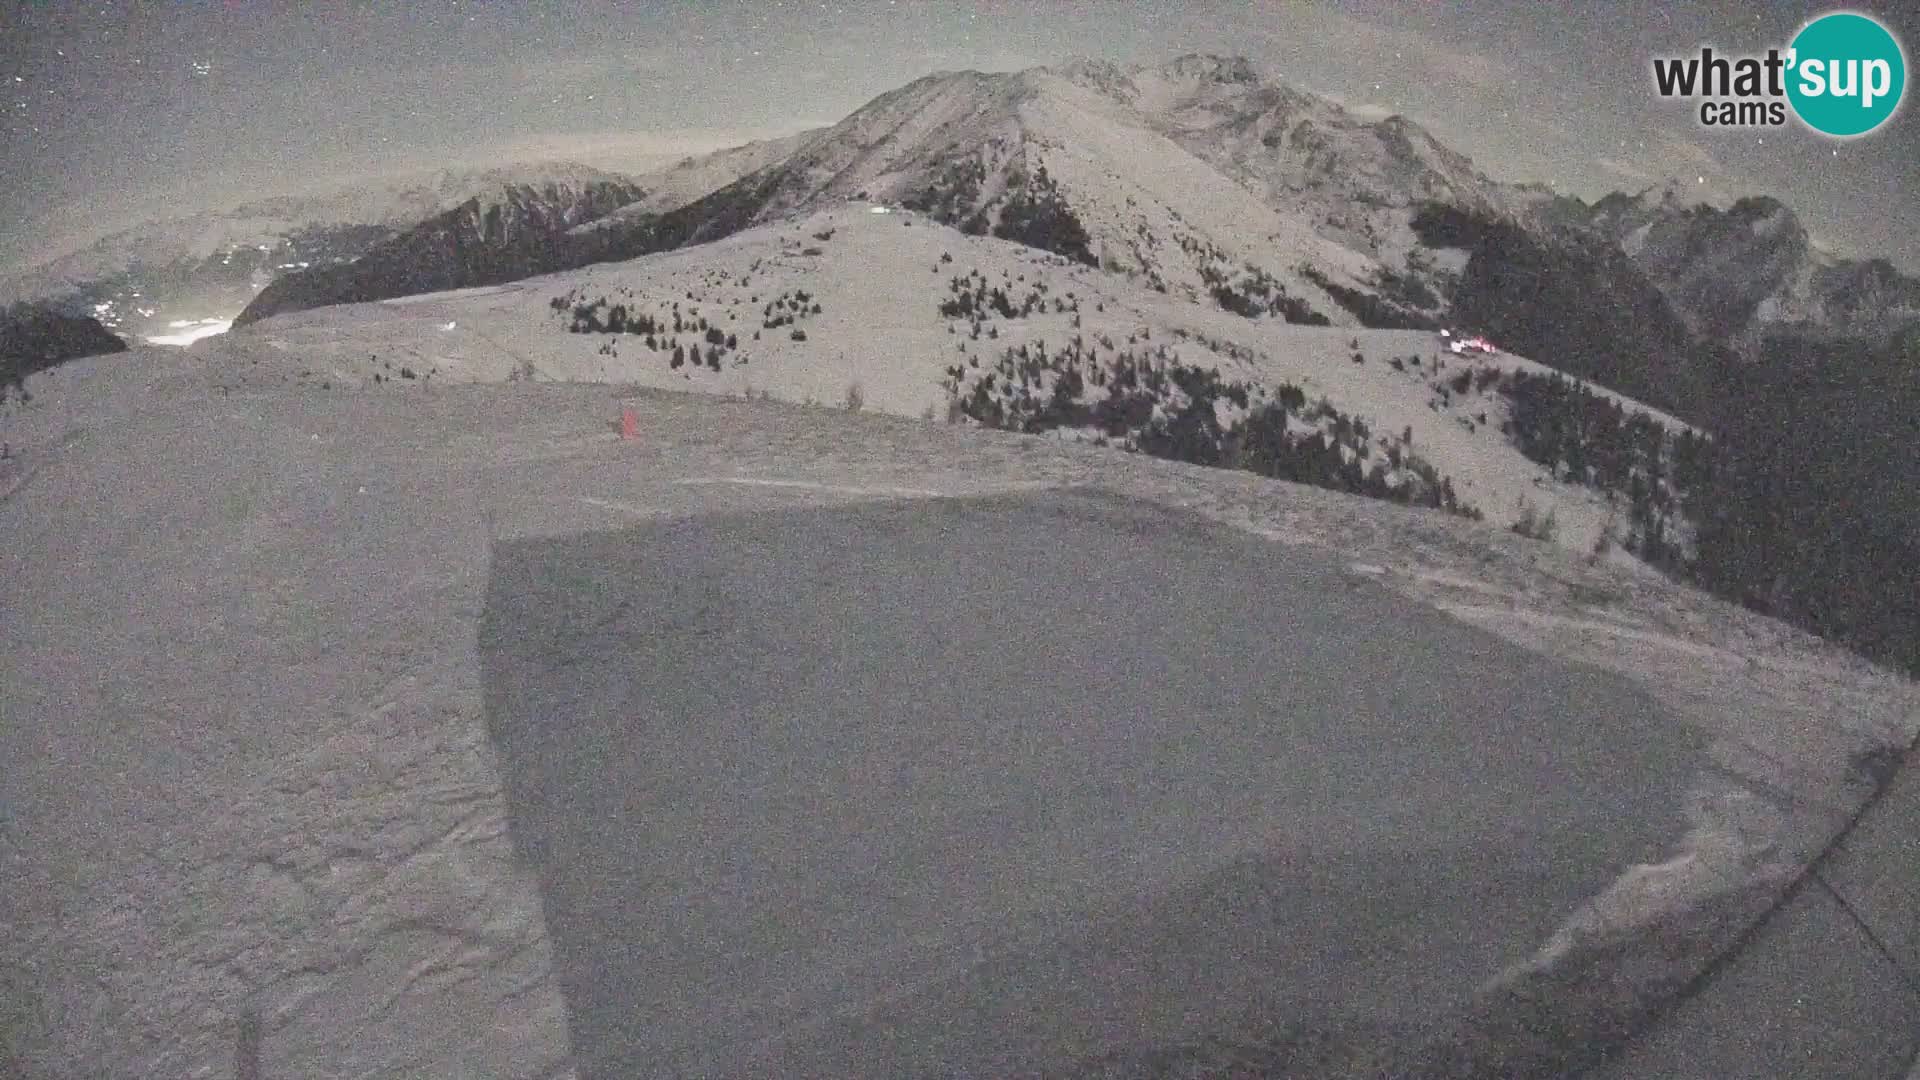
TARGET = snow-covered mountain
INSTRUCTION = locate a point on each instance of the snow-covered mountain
(691, 178)
(1195, 176)
(1354, 180)
(1183, 258)
(862, 304)
(1739, 272)
(505, 232)
(205, 268)
(1203, 181)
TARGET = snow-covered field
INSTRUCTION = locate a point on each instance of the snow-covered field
(247, 758)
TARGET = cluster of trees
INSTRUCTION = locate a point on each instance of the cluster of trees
(1035, 213)
(1372, 311)
(590, 318)
(953, 194)
(788, 308)
(1407, 289)
(1031, 390)
(658, 333)
(1591, 439)
(693, 354)
(966, 303)
(1153, 403)
(1257, 293)
(1799, 505)
(1032, 211)
(1576, 303)
(1809, 511)
(973, 299)
(1340, 456)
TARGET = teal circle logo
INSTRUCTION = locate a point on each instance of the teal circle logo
(1847, 74)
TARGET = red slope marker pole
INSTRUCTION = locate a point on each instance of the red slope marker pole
(629, 424)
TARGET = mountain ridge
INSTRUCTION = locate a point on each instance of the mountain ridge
(1328, 190)
(499, 235)
(210, 265)
(965, 145)
(1749, 269)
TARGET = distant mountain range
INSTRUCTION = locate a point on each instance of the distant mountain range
(207, 267)
(1205, 180)
(503, 234)
(1197, 176)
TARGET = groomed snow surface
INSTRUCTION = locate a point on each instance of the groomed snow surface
(250, 766)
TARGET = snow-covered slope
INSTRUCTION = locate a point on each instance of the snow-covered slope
(857, 304)
(1351, 179)
(1194, 176)
(690, 178)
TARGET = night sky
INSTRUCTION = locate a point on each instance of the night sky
(117, 111)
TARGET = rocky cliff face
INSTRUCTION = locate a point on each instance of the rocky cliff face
(1743, 272)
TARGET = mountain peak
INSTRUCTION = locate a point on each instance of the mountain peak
(1210, 67)
(1092, 69)
(1194, 76)
(1759, 207)
(1673, 193)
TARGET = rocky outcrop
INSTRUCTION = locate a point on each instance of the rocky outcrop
(35, 337)
(1749, 270)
